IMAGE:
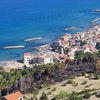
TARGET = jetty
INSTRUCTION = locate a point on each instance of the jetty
(14, 47)
(32, 39)
(70, 28)
(97, 10)
(97, 19)
(45, 47)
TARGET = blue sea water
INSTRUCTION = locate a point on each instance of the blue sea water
(22, 19)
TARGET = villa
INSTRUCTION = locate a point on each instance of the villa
(14, 96)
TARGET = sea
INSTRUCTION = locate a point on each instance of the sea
(23, 19)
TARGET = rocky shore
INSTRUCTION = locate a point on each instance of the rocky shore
(66, 46)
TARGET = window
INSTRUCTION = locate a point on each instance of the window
(20, 98)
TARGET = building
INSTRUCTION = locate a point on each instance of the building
(72, 51)
(45, 60)
(14, 96)
(66, 37)
(27, 58)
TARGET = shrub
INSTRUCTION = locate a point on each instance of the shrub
(49, 93)
(54, 89)
(97, 94)
(75, 84)
(64, 84)
(74, 97)
(70, 81)
(84, 82)
(44, 97)
(87, 95)
(62, 95)
(48, 88)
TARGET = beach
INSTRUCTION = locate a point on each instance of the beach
(13, 64)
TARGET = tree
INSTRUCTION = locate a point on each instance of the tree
(98, 46)
(74, 97)
(34, 97)
(87, 95)
(44, 97)
(79, 55)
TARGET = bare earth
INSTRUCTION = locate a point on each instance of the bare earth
(91, 84)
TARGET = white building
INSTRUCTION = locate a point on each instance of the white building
(72, 51)
(27, 58)
(45, 60)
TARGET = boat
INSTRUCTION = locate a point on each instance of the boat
(97, 10)
(97, 19)
(32, 39)
(14, 47)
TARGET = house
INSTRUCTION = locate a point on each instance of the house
(27, 58)
(72, 51)
(66, 37)
(42, 58)
(14, 96)
(45, 60)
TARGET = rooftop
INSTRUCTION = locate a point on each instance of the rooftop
(14, 96)
(27, 54)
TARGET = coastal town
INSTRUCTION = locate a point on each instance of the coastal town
(49, 49)
(61, 54)
(63, 48)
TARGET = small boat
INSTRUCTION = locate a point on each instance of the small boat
(14, 47)
(97, 19)
(32, 39)
(97, 10)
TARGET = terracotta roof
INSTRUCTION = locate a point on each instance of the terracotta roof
(14, 96)
(27, 54)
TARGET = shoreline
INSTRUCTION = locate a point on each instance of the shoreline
(47, 47)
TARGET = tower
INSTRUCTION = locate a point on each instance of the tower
(27, 58)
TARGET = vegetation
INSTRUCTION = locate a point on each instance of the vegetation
(98, 46)
(70, 81)
(31, 79)
(68, 96)
(44, 97)
(84, 82)
(87, 95)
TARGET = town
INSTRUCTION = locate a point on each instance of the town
(65, 47)
(68, 56)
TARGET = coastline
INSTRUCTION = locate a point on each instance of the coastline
(11, 64)
(47, 47)
(35, 48)
(34, 23)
